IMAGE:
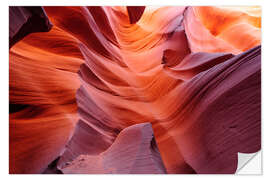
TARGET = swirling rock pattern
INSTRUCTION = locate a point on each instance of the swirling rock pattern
(187, 71)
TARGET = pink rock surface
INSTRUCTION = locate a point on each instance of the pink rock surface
(134, 151)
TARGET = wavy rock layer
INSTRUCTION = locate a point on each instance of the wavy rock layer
(134, 151)
(42, 87)
(220, 114)
(178, 68)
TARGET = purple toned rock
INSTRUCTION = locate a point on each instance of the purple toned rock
(26, 20)
(133, 152)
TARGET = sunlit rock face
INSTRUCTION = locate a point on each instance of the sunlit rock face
(158, 89)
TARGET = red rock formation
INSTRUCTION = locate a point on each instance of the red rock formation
(196, 80)
(42, 86)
